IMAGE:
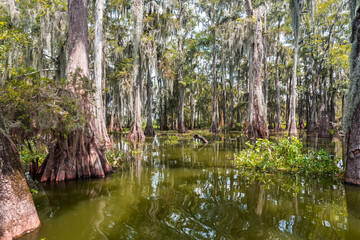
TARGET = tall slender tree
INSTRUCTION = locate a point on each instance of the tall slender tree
(214, 118)
(181, 122)
(98, 71)
(136, 132)
(296, 8)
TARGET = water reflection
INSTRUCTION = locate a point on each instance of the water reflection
(191, 191)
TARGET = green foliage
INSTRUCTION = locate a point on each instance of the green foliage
(33, 106)
(172, 140)
(26, 156)
(287, 154)
(33, 191)
(36, 152)
(115, 158)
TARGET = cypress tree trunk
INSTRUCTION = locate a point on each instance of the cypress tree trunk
(352, 111)
(292, 116)
(181, 123)
(232, 121)
(224, 89)
(214, 121)
(17, 210)
(98, 75)
(165, 118)
(192, 114)
(80, 154)
(311, 126)
(136, 132)
(149, 129)
(257, 123)
(277, 86)
(296, 8)
(277, 83)
(112, 114)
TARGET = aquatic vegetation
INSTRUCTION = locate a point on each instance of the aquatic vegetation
(287, 154)
(172, 140)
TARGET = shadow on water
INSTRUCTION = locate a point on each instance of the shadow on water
(190, 191)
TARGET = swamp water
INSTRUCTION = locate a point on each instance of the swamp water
(189, 191)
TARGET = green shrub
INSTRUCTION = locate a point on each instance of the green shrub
(115, 157)
(287, 154)
(26, 155)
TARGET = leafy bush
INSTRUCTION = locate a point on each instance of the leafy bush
(27, 155)
(33, 106)
(287, 154)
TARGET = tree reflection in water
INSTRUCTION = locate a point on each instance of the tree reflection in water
(187, 191)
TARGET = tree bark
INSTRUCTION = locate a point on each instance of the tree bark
(257, 122)
(136, 131)
(224, 89)
(312, 124)
(149, 129)
(98, 74)
(181, 123)
(292, 117)
(214, 122)
(352, 171)
(277, 85)
(79, 154)
(17, 210)
(232, 121)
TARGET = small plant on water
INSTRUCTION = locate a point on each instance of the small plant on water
(287, 154)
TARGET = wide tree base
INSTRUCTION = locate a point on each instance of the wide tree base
(182, 128)
(292, 129)
(213, 128)
(136, 133)
(311, 126)
(278, 127)
(149, 131)
(258, 128)
(17, 210)
(76, 157)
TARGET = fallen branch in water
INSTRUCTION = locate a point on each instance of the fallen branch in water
(197, 136)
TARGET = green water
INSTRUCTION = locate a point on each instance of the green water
(191, 191)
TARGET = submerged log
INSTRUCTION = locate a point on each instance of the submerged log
(17, 211)
(197, 136)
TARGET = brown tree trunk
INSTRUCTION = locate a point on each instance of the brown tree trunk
(352, 113)
(257, 123)
(232, 121)
(165, 118)
(98, 73)
(136, 132)
(311, 126)
(214, 122)
(277, 86)
(111, 125)
(17, 210)
(223, 116)
(79, 154)
(149, 129)
(181, 123)
(292, 116)
(192, 112)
